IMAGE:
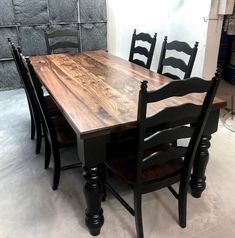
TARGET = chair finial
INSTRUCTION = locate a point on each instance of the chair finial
(144, 85)
(27, 59)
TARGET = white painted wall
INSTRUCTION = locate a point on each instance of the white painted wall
(213, 39)
(178, 19)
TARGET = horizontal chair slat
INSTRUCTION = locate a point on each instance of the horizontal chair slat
(172, 76)
(180, 47)
(168, 136)
(171, 114)
(61, 33)
(164, 156)
(144, 37)
(179, 88)
(64, 45)
(175, 63)
(141, 50)
(139, 62)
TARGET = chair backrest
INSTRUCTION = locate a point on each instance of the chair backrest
(174, 62)
(16, 55)
(26, 83)
(148, 53)
(169, 124)
(16, 58)
(57, 40)
(41, 105)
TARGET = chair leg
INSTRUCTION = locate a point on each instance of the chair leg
(57, 167)
(32, 129)
(182, 206)
(33, 126)
(38, 139)
(138, 215)
(47, 153)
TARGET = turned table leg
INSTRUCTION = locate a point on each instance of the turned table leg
(198, 178)
(94, 214)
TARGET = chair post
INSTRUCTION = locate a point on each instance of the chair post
(149, 61)
(162, 56)
(142, 100)
(47, 151)
(141, 116)
(182, 204)
(131, 55)
(57, 165)
(191, 61)
(138, 214)
(47, 42)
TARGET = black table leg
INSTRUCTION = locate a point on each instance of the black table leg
(94, 213)
(198, 178)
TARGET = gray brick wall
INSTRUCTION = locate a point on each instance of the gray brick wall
(24, 21)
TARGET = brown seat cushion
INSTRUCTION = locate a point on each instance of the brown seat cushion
(122, 161)
(65, 133)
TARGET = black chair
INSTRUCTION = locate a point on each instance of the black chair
(15, 57)
(57, 132)
(154, 161)
(35, 119)
(148, 53)
(174, 62)
(53, 43)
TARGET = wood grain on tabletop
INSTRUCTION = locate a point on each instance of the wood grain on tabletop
(97, 91)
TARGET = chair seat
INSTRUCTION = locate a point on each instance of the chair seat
(65, 134)
(122, 161)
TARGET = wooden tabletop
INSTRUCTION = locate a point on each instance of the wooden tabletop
(97, 91)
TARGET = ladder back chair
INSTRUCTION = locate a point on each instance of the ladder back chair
(57, 132)
(148, 53)
(35, 122)
(57, 40)
(155, 161)
(175, 62)
(34, 113)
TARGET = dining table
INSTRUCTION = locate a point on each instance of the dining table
(98, 93)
